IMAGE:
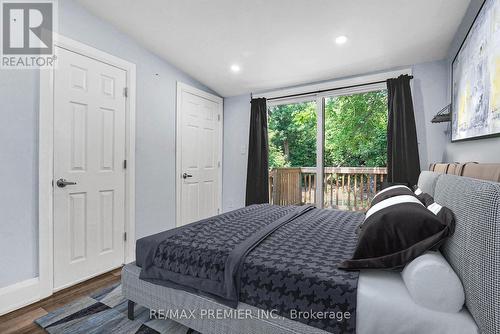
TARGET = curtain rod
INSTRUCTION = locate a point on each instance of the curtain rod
(325, 90)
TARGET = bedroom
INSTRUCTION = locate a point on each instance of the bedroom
(85, 193)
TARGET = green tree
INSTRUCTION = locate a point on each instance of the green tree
(292, 131)
(276, 156)
(355, 132)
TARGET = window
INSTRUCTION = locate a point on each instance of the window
(350, 130)
(292, 150)
(355, 148)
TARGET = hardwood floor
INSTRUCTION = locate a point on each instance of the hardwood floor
(22, 321)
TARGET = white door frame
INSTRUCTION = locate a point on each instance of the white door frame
(46, 154)
(26, 292)
(182, 87)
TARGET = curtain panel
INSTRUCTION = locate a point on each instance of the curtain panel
(258, 166)
(403, 163)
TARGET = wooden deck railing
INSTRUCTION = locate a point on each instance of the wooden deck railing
(349, 188)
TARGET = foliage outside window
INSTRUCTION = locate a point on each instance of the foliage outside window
(355, 132)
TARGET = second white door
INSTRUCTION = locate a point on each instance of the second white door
(199, 151)
(89, 176)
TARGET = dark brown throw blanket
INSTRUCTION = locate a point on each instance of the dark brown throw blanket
(272, 257)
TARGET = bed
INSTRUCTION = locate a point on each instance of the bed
(375, 301)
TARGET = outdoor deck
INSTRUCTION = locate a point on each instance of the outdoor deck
(347, 188)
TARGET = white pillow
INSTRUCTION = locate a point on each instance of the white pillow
(432, 283)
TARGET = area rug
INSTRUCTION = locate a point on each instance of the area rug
(106, 312)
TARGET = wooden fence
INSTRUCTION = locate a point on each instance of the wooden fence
(348, 188)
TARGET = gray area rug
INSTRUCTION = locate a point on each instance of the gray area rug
(106, 312)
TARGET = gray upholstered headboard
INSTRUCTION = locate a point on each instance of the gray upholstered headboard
(474, 249)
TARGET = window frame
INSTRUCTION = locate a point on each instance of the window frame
(320, 98)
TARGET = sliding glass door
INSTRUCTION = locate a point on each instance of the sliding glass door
(292, 152)
(355, 148)
(328, 150)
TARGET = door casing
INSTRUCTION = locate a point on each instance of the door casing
(182, 87)
(20, 294)
(46, 156)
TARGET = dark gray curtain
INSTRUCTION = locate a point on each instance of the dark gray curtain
(403, 164)
(258, 166)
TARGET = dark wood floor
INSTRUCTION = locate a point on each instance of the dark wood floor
(22, 321)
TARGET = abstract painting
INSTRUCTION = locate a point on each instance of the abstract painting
(476, 78)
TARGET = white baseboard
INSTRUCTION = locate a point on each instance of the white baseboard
(18, 295)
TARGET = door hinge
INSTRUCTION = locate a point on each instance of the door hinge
(125, 91)
(218, 117)
(218, 164)
(124, 236)
(124, 164)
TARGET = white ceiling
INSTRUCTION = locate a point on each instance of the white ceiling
(279, 43)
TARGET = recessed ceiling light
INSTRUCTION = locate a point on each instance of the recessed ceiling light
(341, 40)
(235, 68)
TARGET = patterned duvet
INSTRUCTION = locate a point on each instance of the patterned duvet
(281, 258)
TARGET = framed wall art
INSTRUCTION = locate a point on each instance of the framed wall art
(476, 78)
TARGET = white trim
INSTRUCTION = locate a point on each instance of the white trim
(339, 88)
(320, 143)
(337, 92)
(178, 145)
(20, 294)
(24, 293)
(130, 171)
(335, 84)
(83, 279)
(355, 90)
(45, 189)
(292, 100)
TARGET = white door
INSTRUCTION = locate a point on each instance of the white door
(89, 151)
(199, 145)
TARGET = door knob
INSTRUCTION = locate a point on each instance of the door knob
(61, 183)
(186, 175)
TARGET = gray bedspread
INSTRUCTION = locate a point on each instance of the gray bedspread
(272, 257)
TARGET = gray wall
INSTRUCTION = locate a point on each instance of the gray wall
(155, 146)
(431, 92)
(18, 175)
(236, 130)
(481, 150)
(429, 96)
